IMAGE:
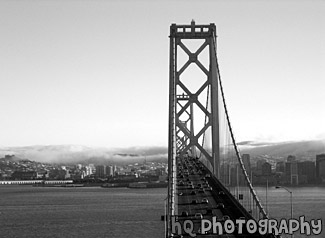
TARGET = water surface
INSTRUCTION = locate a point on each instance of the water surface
(27, 211)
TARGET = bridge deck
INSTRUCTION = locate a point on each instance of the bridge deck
(201, 196)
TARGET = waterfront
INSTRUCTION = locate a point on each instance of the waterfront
(27, 211)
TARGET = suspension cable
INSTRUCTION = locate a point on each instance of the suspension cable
(258, 203)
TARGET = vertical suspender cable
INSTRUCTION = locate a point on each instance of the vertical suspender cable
(258, 203)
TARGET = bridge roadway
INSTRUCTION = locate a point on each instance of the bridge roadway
(201, 196)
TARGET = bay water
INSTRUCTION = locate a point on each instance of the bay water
(27, 211)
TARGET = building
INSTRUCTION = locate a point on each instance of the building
(225, 173)
(306, 172)
(280, 166)
(24, 175)
(110, 172)
(291, 158)
(101, 171)
(115, 171)
(160, 171)
(259, 164)
(266, 169)
(89, 169)
(320, 168)
(233, 176)
(67, 174)
(247, 163)
(42, 174)
(59, 174)
(291, 172)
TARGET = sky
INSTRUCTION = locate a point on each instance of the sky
(96, 73)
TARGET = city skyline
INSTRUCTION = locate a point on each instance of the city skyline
(96, 72)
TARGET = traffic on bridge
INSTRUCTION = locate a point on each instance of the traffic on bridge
(209, 190)
(200, 196)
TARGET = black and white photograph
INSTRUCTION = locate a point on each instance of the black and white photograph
(162, 118)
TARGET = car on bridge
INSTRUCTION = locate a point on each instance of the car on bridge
(220, 206)
(205, 200)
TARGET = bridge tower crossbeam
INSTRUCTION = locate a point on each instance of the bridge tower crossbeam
(185, 136)
(186, 140)
(182, 139)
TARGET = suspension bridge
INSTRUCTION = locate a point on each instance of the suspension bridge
(208, 180)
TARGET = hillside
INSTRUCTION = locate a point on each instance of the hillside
(72, 154)
(302, 149)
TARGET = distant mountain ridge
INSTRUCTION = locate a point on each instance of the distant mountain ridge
(301, 149)
(73, 154)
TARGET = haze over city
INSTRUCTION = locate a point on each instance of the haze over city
(95, 73)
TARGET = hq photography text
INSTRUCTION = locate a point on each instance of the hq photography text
(251, 226)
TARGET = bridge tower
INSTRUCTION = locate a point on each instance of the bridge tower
(185, 103)
(183, 99)
(195, 124)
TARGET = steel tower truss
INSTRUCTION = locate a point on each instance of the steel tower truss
(182, 138)
(185, 136)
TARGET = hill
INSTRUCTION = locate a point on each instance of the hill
(73, 154)
(301, 149)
